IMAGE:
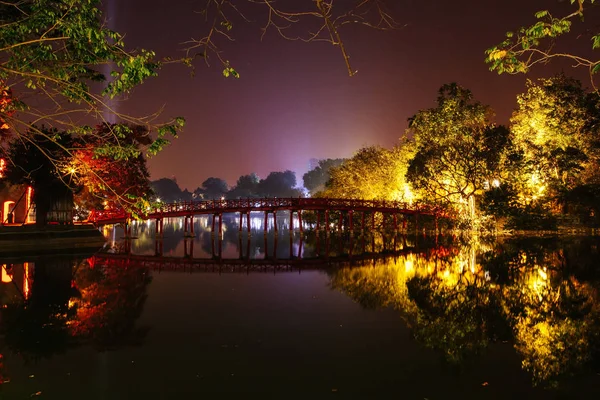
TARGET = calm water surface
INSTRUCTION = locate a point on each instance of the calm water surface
(295, 317)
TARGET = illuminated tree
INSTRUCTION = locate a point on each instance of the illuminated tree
(315, 179)
(372, 173)
(536, 44)
(65, 165)
(457, 149)
(53, 54)
(556, 136)
(105, 180)
(5, 100)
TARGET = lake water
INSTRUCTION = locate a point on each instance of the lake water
(300, 316)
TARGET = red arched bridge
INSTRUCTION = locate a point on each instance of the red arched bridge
(188, 209)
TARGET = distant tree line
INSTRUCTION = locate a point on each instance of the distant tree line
(276, 184)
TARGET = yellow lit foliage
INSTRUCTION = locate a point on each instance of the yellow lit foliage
(373, 173)
(455, 307)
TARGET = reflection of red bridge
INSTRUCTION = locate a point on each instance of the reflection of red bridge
(244, 206)
(185, 264)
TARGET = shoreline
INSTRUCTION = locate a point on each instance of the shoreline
(33, 240)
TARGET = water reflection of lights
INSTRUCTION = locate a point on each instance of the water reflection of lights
(409, 265)
(6, 277)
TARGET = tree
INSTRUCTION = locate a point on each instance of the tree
(246, 186)
(52, 54)
(166, 190)
(372, 173)
(457, 148)
(279, 184)
(556, 132)
(315, 179)
(214, 188)
(108, 181)
(535, 44)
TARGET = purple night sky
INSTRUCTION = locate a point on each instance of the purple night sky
(295, 101)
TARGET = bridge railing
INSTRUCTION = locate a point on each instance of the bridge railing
(268, 204)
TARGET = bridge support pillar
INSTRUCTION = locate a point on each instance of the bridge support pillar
(220, 225)
(192, 234)
(341, 222)
(266, 224)
(327, 221)
(212, 229)
(248, 223)
(275, 220)
(241, 221)
(318, 221)
(291, 222)
(395, 222)
(300, 221)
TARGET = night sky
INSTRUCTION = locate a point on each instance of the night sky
(295, 101)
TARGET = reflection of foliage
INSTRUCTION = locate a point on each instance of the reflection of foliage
(375, 289)
(57, 316)
(112, 299)
(529, 291)
(458, 319)
(555, 324)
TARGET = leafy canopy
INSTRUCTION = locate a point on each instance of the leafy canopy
(535, 44)
(54, 59)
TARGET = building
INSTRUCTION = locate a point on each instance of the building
(16, 206)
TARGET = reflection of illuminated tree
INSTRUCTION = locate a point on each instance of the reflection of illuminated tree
(372, 287)
(555, 323)
(458, 319)
(523, 291)
(57, 316)
(112, 299)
